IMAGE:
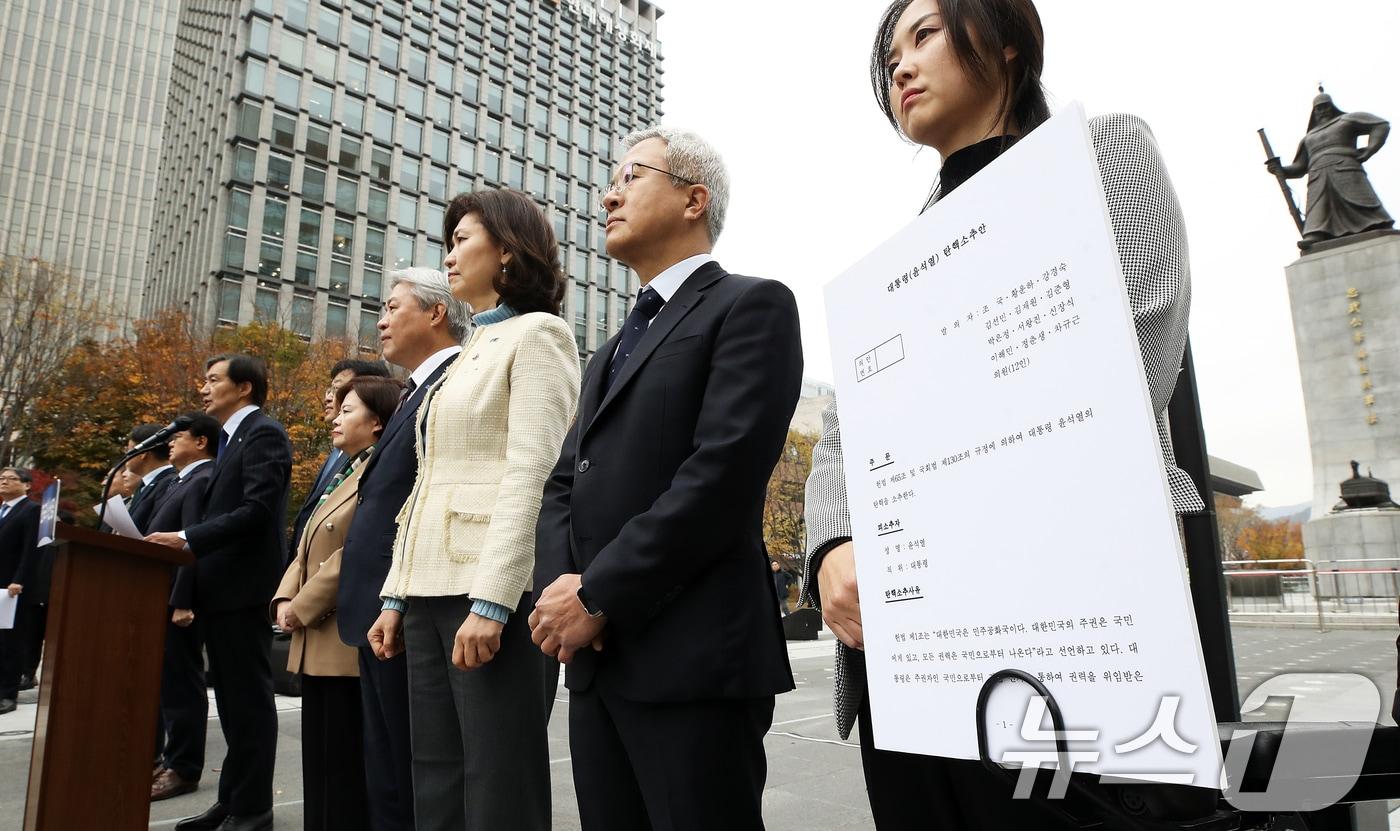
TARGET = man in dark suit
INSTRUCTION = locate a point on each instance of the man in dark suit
(651, 576)
(156, 474)
(184, 706)
(238, 548)
(421, 330)
(19, 540)
(341, 374)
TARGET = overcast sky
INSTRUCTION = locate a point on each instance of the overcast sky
(819, 178)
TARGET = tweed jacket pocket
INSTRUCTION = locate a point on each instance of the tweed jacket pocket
(468, 518)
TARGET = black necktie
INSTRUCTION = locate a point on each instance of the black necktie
(649, 302)
(406, 394)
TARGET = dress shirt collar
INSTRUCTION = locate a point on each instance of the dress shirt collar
(192, 467)
(420, 375)
(231, 426)
(667, 282)
(13, 502)
(151, 477)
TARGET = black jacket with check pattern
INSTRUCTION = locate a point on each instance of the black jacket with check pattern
(1151, 237)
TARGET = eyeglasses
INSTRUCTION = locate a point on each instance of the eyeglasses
(629, 173)
(10, 479)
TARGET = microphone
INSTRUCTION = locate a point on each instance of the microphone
(162, 436)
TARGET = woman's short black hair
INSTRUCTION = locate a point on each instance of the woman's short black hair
(379, 394)
(979, 32)
(534, 279)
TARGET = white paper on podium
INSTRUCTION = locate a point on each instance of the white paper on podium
(8, 607)
(1006, 488)
(119, 518)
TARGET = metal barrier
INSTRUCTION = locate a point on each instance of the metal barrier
(1351, 592)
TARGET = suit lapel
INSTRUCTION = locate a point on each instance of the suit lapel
(235, 445)
(687, 297)
(342, 494)
(407, 414)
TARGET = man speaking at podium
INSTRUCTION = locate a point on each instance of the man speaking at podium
(238, 549)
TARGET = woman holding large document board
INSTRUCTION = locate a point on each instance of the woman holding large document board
(963, 78)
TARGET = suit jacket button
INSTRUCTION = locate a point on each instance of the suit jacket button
(583, 466)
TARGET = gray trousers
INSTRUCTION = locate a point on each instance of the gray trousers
(480, 738)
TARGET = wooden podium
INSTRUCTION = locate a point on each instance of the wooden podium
(100, 690)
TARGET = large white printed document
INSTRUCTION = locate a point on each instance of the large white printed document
(119, 519)
(1007, 491)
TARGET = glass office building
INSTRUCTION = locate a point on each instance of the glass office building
(314, 145)
(83, 86)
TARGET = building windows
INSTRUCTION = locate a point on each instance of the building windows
(352, 112)
(328, 24)
(437, 183)
(383, 125)
(318, 141)
(386, 86)
(417, 60)
(359, 38)
(244, 163)
(340, 275)
(284, 131)
(288, 89)
(265, 304)
(379, 165)
(306, 268)
(347, 193)
(320, 101)
(442, 111)
(441, 142)
(234, 245)
(238, 203)
(230, 294)
(374, 248)
(408, 174)
(254, 77)
(270, 259)
(403, 250)
(336, 316)
(274, 222)
(249, 120)
(349, 154)
(313, 184)
(369, 331)
(388, 49)
(415, 100)
(309, 230)
(408, 211)
(356, 76)
(293, 50)
(279, 172)
(411, 136)
(433, 216)
(378, 208)
(581, 318)
(259, 33)
(302, 308)
(442, 74)
(515, 174)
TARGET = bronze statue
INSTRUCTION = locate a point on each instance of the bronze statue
(1341, 201)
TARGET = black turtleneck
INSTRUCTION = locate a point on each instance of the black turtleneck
(967, 162)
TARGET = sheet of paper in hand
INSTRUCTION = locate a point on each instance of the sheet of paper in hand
(1006, 487)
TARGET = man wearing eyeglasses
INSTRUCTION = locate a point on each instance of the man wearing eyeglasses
(651, 578)
(19, 539)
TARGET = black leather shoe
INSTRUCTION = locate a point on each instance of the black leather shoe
(253, 822)
(7, 705)
(210, 820)
(26, 682)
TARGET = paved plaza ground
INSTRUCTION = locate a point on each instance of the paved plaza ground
(814, 778)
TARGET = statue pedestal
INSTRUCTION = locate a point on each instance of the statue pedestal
(1351, 543)
(1346, 319)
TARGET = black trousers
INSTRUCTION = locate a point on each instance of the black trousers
(333, 755)
(239, 644)
(35, 627)
(691, 766)
(909, 792)
(184, 702)
(387, 749)
(14, 647)
(480, 738)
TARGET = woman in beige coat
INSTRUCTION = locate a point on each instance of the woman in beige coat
(333, 767)
(458, 590)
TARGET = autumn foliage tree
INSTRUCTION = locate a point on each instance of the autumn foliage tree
(79, 418)
(1272, 541)
(784, 531)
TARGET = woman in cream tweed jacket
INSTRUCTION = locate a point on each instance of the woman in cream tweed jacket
(488, 436)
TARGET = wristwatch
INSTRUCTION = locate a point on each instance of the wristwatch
(592, 610)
